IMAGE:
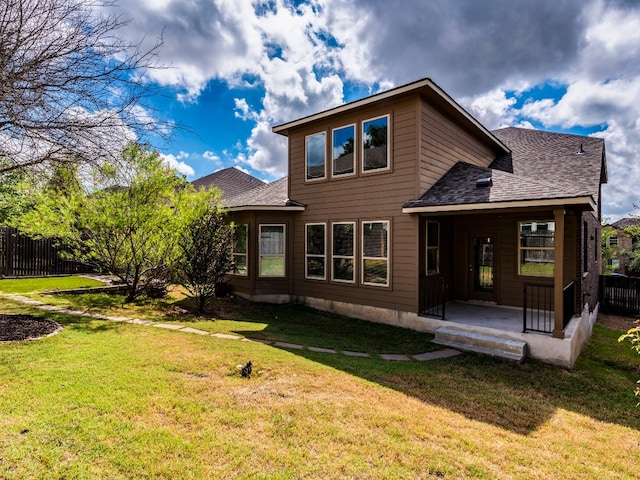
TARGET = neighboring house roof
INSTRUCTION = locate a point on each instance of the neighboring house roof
(626, 223)
(269, 196)
(230, 180)
(543, 168)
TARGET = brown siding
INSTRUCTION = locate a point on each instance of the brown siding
(253, 284)
(504, 226)
(443, 144)
(363, 197)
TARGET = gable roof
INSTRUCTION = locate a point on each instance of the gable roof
(242, 191)
(626, 223)
(426, 87)
(543, 168)
(231, 181)
(269, 196)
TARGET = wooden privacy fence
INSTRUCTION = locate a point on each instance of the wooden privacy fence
(21, 256)
(620, 294)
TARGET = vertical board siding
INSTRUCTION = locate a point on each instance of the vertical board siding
(21, 256)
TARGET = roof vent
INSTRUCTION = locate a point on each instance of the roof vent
(581, 150)
(484, 182)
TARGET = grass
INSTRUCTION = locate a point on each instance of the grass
(28, 285)
(113, 400)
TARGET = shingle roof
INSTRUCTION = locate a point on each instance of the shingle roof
(268, 195)
(626, 223)
(230, 180)
(542, 165)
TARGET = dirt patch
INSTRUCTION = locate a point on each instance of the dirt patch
(25, 327)
(617, 322)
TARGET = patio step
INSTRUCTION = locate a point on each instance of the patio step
(480, 343)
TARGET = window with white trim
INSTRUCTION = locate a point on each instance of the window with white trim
(433, 247)
(343, 249)
(536, 248)
(239, 253)
(272, 251)
(315, 155)
(343, 151)
(375, 144)
(315, 262)
(375, 253)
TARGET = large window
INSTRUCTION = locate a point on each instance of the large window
(239, 253)
(315, 152)
(315, 251)
(342, 152)
(433, 248)
(536, 248)
(343, 242)
(375, 144)
(272, 250)
(375, 253)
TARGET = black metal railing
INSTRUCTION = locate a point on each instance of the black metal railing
(568, 303)
(433, 299)
(538, 307)
(537, 312)
(620, 294)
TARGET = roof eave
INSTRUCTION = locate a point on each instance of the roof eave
(282, 129)
(266, 208)
(586, 201)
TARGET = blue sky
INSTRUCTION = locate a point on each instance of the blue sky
(238, 67)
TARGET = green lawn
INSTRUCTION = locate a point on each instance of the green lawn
(27, 285)
(120, 401)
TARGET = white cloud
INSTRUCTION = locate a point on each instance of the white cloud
(485, 54)
(212, 157)
(174, 162)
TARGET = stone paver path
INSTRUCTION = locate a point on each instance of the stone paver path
(421, 357)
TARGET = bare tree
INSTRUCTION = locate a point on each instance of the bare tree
(71, 89)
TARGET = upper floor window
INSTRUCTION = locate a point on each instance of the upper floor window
(343, 241)
(536, 249)
(342, 151)
(613, 240)
(375, 144)
(272, 251)
(315, 251)
(375, 253)
(239, 253)
(315, 152)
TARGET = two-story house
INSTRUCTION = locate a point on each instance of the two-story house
(401, 207)
(622, 243)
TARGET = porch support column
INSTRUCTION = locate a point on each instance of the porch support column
(558, 275)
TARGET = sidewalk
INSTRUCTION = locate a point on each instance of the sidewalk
(420, 357)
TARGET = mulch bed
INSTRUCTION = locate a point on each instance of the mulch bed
(25, 327)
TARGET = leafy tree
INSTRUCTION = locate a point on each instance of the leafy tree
(71, 90)
(127, 224)
(608, 251)
(15, 195)
(376, 136)
(204, 255)
(633, 336)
